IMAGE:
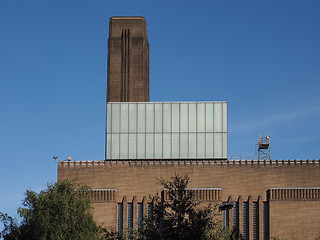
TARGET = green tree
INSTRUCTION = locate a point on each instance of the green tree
(61, 211)
(10, 227)
(180, 217)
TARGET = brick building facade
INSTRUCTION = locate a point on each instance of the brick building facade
(269, 198)
(273, 198)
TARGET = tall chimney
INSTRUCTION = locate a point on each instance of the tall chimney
(128, 60)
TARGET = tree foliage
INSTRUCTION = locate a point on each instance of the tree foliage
(61, 211)
(180, 217)
(10, 227)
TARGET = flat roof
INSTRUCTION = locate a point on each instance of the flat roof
(127, 18)
(176, 102)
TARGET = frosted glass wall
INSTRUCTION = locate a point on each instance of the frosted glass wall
(177, 130)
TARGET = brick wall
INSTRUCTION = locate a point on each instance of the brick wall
(273, 185)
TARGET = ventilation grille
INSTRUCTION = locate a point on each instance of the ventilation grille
(294, 193)
(102, 195)
(204, 194)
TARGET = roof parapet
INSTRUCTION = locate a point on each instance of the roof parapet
(186, 162)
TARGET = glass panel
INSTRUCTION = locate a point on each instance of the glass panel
(166, 117)
(184, 117)
(141, 154)
(120, 219)
(132, 117)
(192, 117)
(132, 146)
(115, 117)
(217, 149)
(192, 145)
(130, 220)
(175, 117)
(217, 117)
(235, 217)
(201, 117)
(150, 210)
(209, 117)
(175, 145)
(255, 222)
(224, 145)
(140, 215)
(130, 215)
(124, 146)
(109, 119)
(158, 146)
(141, 118)
(150, 117)
(184, 145)
(166, 145)
(266, 227)
(209, 145)
(115, 146)
(149, 146)
(225, 218)
(108, 153)
(158, 117)
(124, 114)
(224, 222)
(245, 220)
(201, 145)
(225, 117)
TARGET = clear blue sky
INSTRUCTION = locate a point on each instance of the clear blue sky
(262, 57)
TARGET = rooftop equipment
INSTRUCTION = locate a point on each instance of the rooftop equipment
(263, 146)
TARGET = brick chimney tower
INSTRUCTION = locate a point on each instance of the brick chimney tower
(128, 60)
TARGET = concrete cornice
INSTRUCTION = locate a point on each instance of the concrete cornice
(186, 162)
